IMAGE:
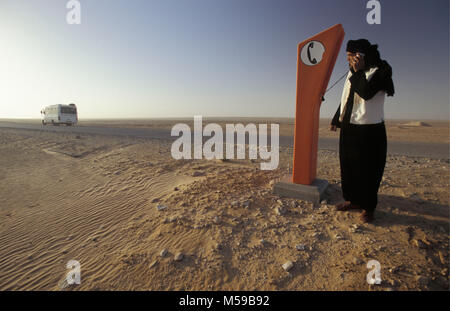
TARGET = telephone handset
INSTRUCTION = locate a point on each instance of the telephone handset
(313, 61)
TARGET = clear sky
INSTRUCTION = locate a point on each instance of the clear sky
(180, 58)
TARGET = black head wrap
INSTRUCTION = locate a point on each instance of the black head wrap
(361, 46)
(372, 56)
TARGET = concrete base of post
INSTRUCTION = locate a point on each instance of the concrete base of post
(313, 193)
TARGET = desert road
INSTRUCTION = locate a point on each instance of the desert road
(414, 149)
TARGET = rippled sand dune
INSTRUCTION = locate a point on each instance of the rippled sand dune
(114, 204)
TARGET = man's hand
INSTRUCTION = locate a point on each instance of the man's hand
(333, 128)
(357, 62)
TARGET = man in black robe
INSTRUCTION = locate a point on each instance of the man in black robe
(362, 140)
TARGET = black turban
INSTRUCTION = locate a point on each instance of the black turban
(361, 46)
(372, 55)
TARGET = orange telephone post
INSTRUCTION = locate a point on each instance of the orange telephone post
(316, 59)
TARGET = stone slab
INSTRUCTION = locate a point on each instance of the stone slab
(313, 193)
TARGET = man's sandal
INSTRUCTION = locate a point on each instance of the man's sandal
(342, 205)
(367, 217)
(346, 206)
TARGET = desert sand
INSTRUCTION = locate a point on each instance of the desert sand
(115, 203)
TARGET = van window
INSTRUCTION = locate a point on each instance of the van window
(69, 110)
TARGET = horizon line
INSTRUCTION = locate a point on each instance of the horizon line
(217, 117)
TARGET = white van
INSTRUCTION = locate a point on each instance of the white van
(60, 114)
